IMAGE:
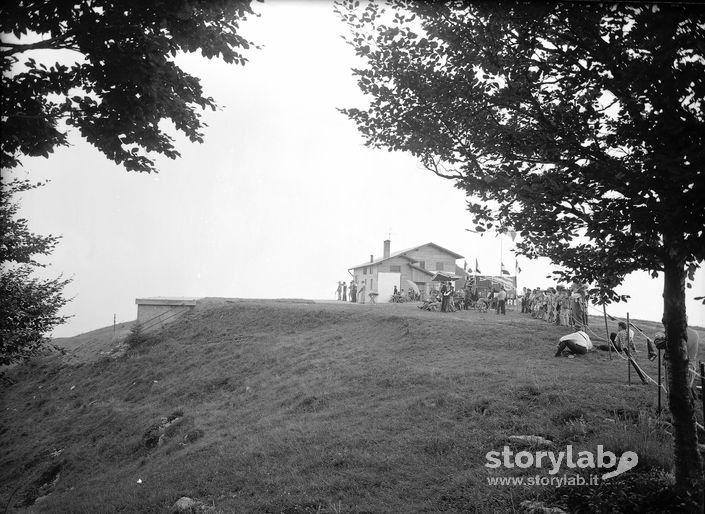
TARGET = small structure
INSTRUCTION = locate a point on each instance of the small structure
(484, 284)
(153, 313)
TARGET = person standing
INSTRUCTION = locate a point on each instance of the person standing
(502, 301)
(492, 299)
(353, 292)
(444, 298)
(339, 291)
(450, 294)
(345, 292)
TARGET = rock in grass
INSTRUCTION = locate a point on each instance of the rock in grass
(186, 504)
(534, 507)
(531, 440)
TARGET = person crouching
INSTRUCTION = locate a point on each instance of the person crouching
(577, 343)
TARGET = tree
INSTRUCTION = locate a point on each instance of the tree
(122, 82)
(28, 306)
(106, 69)
(580, 125)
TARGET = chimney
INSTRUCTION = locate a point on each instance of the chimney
(371, 258)
(386, 248)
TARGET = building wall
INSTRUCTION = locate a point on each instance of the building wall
(431, 256)
(386, 282)
(154, 317)
(397, 265)
(154, 313)
(366, 276)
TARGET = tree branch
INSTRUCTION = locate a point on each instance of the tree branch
(63, 42)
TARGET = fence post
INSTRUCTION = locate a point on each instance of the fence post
(658, 410)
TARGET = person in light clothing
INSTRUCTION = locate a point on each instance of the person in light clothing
(576, 343)
(502, 301)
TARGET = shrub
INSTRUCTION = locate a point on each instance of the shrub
(136, 336)
(649, 492)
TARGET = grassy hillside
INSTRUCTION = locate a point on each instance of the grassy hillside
(293, 407)
(94, 345)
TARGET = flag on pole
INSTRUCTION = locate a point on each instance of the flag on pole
(477, 267)
(504, 269)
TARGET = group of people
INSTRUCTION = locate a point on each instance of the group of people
(447, 299)
(453, 300)
(622, 341)
(496, 300)
(342, 292)
(405, 296)
(566, 306)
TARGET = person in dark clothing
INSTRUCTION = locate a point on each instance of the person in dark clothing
(345, 292)
(444, 298)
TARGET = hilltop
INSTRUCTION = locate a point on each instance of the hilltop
(256, 406)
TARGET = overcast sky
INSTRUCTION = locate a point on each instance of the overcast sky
(279, 201)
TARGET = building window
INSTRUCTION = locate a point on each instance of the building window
(422, 264)
(364, 271)
(439, 266)
(395, 269)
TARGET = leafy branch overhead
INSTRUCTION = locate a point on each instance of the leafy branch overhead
(579, 125)
(106, 68)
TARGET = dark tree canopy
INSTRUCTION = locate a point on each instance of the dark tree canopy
(560, 120)
(124, 82)
(29, 306)
(578, 124)
(106, 69)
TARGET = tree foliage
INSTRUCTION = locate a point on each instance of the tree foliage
(579, 125)
(120, 83)
(106, 69)
(29, 306)
(560, 120)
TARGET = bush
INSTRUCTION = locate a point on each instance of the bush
(136, 336)
(650, 492)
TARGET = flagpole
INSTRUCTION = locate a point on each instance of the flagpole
(475, 275)
(501, 261)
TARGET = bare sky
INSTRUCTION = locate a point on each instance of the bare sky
(280, 200)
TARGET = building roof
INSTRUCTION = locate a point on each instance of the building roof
(402, 253)
(167, 300)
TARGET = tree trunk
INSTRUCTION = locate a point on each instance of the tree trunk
(688, 465)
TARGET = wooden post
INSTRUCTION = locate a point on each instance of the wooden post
(658, 410)
(607, 331)
(629, 355)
